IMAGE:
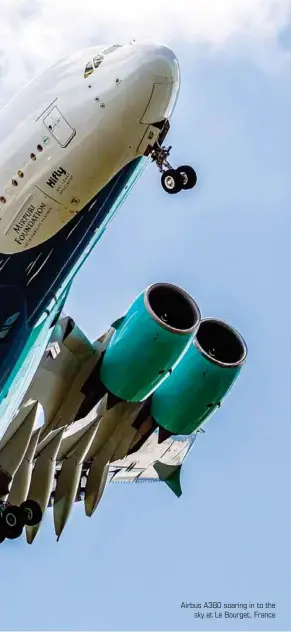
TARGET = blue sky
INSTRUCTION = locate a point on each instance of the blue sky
(227, 242)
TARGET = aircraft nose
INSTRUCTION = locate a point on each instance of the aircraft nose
(159, 67)
(161, 62)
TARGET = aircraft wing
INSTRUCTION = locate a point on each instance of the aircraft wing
(121, 408)
(139, 468)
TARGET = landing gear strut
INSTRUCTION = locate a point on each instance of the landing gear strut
(173, 180)
(13, 518)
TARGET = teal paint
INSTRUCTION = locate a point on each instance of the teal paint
(140, 354)
(193, 391)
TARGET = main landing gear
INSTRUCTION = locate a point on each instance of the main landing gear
(173, 180)
(13, 518)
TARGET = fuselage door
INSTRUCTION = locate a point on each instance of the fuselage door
(57, 125)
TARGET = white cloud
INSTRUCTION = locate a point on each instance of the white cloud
(34, 33)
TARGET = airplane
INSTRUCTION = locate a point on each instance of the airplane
(73, 143)
(125, 407)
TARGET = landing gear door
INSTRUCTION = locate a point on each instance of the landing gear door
(150, 137)
(57, 125)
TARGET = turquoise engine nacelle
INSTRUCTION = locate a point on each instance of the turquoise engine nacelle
(149, 341)
(201, 380)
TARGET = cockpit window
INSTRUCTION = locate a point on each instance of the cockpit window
(97, 60)
(111, 49)
(88, 69)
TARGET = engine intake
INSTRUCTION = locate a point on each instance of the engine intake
(220, 343)
(172, 307)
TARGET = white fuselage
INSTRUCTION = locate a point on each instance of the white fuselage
(65, 136)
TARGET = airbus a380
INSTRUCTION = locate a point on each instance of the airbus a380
(73, 143)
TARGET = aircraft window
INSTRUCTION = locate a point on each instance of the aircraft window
(111, 49)
(88, 69)
(97, 60)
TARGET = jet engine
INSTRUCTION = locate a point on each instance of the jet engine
(201, 379)
(149, 341)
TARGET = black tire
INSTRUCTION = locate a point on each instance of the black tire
(12, 534)
(172, 181)
(31, 513)
(189, 177)
(12, 523)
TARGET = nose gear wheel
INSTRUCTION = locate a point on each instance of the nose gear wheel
(172, 180)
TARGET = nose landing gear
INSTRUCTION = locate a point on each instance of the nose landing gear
(173, 180)
(13, 518)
